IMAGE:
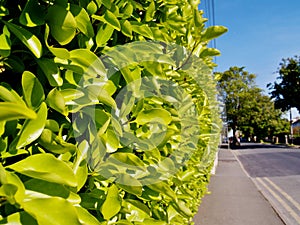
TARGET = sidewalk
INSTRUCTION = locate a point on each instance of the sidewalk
(234, 199)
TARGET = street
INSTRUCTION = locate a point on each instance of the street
(276, 172)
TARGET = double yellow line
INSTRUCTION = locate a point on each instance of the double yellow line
(274, 190)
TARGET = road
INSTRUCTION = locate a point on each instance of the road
(276, 172)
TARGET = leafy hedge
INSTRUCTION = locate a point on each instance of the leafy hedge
(107, 111)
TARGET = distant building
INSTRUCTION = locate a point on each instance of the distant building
(296, 128)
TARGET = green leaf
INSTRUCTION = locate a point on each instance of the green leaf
(62, 24)
(88, 61)
(19, 218)
(50, 189)
(51, 70)
(83, 20)
(143, 30)
(129, 184)
(58, 52)
(33, 91)
(126, 28)
(13, 111)
(8, 191)
(52, 211)
(163, 188)
(13, 179)
(213, 32)
(209, 52)
(10, 96)
(32, 129)
(112, 20)
(129, 159)
(33, 14)
(5, 43)
(153, 116)
(111, 139)
(54, 143)
(137, 211)
(107, 3)
(80, 168)
(46, 167)
(85, 217)
(102, 120)
(27, 38)
(181, 207)
(104, 34)
(150, 12)
(109, 18)
(57, 102)
(112, 203)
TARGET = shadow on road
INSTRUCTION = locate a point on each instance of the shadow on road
(252, 146)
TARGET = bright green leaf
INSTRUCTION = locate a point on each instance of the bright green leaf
(53, 143)
(88, 61)
(109, 18)
(85, 217)
(46, 167)
(27, 38)
(154, 115)
(112, 203)
(150, 12)
(32, 129)
(10, 96)
(33, 91)
(52, 211)
(213, 32)
(126, 28)
(19, 218)
(12, 178)
(163, 188)
(57, 102)
(58, 52)
(80, 168)
(209, 52)
(137, 212)
(13, 111)
(129, 184)
(104, 34)
(62, 24)
(5, 43)
(51, 70)
(143, 30)
(51, 189)
(83, 20)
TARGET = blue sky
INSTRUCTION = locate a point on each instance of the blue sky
(260, 33)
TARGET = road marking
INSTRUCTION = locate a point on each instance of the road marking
(292, 213)
(286, 195)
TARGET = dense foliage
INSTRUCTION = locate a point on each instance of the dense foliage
(286, 91)
(107, 111)
(247, 108)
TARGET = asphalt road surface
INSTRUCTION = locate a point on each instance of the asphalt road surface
(276, 172)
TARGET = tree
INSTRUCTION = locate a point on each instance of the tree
(247, 108)
(286, 91)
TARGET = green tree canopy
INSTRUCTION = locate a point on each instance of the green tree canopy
(286, 91)
(247, 108)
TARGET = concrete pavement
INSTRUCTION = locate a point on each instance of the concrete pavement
(234, 199)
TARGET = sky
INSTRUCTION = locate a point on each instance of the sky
(260, 33)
